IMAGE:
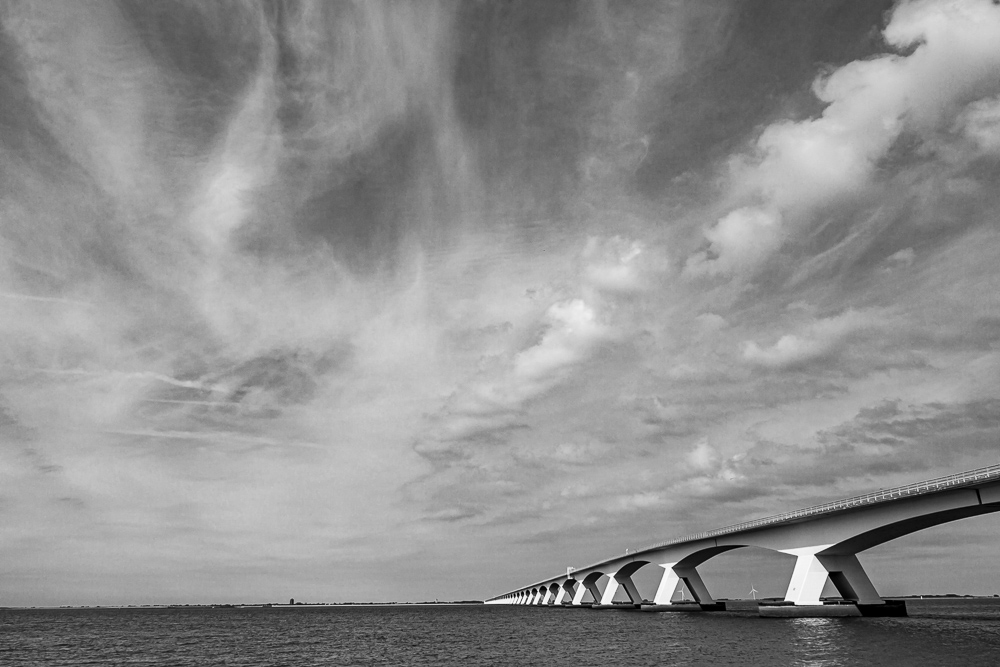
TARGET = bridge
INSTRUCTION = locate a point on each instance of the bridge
(825, 540)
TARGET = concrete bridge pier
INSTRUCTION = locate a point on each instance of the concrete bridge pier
(676, 575)
(568, 589)
(588, 585)
(812, 569)
(621, 579)
(578, 596)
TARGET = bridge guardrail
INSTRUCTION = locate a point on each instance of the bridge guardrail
(873, 498)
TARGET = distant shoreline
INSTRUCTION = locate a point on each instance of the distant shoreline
(258, 605)
(457, 603)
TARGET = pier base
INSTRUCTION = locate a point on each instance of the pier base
(685, 606)
(836, 610)
(619, 606)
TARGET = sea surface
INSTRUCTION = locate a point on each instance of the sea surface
(937, 632)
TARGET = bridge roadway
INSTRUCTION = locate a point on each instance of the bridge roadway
(825, 539)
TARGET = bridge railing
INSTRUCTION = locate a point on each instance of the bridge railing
(873, 498)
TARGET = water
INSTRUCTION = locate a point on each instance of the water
(938, 632)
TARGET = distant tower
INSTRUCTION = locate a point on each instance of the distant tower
(292, 601)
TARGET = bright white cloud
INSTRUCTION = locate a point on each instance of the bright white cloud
(799, 166)
(737, 242)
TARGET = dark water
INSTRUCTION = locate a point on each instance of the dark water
(938, 632)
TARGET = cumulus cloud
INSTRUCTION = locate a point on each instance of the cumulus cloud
(818, 340)
(737, 242)
(800, 166)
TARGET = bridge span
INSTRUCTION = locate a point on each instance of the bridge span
(825, 539)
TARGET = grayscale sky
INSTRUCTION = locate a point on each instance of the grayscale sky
(415, 300)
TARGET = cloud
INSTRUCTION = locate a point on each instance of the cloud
(819, 340)
(703, 458)
(737, 242)
(615, 265)
(798, 167)
(491, 404)
(980, 123)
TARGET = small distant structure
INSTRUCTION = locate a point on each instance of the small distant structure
(291, 601)
(753, 591)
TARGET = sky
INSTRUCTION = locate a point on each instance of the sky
(429, 300)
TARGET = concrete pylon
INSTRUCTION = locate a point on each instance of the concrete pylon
(812, 569)
(699, 591)
(623, 580)
(808, 577)
(570, 587)
(668, 585)
(578, 595)
(590, 583)
(547, 596)
(673, 576)
(850, 579)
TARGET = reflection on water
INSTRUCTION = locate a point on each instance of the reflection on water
(817, 641)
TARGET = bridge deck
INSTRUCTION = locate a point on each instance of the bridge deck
(956, 481)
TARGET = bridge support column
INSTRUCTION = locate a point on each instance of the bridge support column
(673, 576)
(691, 578)
(560, 594)
(590, 584)
(808, 577)
(578, 595)
(812, 570)
(569, 587)
(616, 580)
(547, 596)
(668, 585)
(850, 579)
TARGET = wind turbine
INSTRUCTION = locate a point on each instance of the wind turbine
(753, 591)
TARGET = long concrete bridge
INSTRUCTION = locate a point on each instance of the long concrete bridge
(825, 539)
